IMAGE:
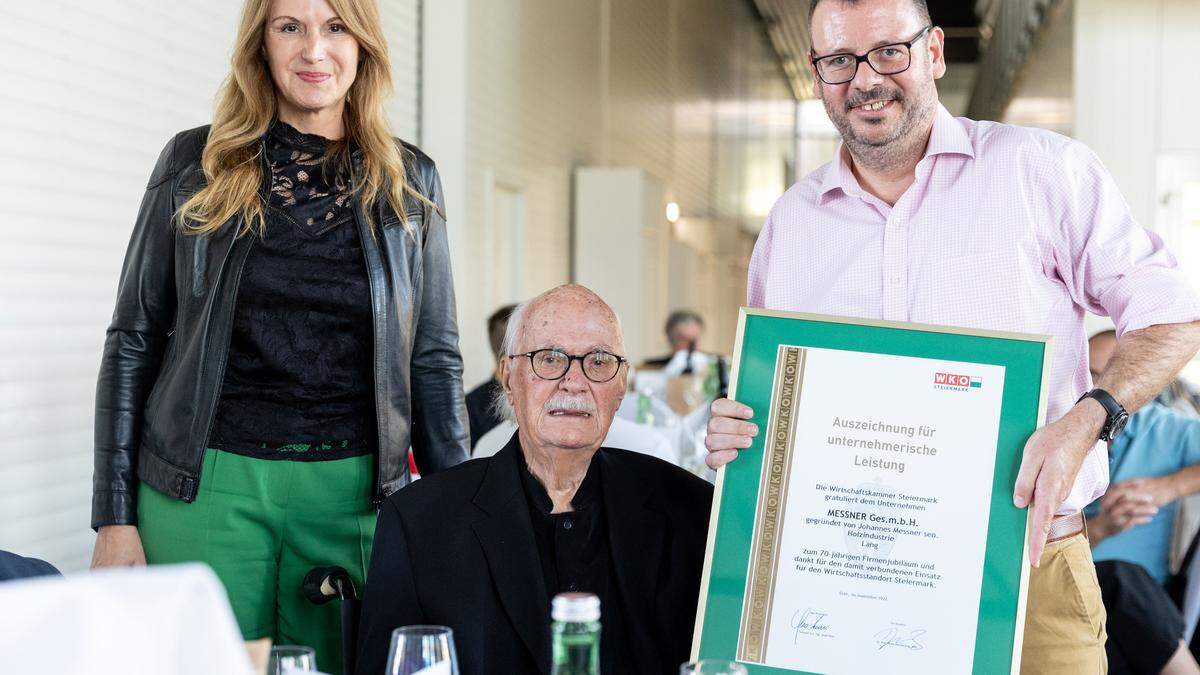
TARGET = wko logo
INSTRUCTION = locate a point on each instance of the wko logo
(955, 381)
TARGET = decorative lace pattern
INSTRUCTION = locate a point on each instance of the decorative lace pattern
(299, 378)
(313, 194)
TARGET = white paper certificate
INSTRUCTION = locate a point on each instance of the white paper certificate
(871, 524)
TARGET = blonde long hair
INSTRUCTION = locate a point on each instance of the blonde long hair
(231, 159)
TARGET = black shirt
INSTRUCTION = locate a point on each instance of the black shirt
(298, 380)
(481, 410)
(574, 551)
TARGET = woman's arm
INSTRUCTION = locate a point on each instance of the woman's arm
(133, 349)
(439, 427)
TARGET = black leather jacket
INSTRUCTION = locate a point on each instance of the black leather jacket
(164, 354)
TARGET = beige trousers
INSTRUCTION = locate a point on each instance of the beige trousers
(1064, 617)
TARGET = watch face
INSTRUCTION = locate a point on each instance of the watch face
(1118, 424)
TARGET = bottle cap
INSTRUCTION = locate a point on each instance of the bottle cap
(575, 607)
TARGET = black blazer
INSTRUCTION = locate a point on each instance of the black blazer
(457, 549)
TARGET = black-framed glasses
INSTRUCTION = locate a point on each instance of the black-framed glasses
(598, 365)
(890, 59)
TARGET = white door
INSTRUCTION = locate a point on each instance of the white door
(505, 232)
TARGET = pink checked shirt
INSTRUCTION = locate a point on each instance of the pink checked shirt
(1005, 228)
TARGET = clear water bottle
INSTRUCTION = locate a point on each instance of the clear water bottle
(576, 633)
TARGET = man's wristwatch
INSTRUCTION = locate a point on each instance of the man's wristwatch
(1117, 417)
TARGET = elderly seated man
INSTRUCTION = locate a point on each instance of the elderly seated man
(483, 547)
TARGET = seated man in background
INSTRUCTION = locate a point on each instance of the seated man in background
(481, 413)
(1154, 462)
(684, 329)
(483, 547)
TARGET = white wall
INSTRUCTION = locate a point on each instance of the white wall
(619, 243)
(686, 90)
(1119, 77)
(1121, 122)
(94, 92)
(1135, 93)
(1136, 89)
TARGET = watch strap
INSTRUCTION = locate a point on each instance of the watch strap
(1112, 407)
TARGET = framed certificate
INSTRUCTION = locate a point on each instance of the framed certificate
(870, 527)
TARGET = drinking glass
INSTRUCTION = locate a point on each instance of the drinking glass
(291, 659)
(427, 650)
(712, 667)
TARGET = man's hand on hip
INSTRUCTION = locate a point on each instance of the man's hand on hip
(728, 432)
(1049, 465)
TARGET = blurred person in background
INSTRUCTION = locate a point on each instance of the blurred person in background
(284, 329)
(1181, 395)
(1153, 464)
(481, 409)
(924, 217)
(684, 329)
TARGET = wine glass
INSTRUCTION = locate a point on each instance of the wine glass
(291, 659)
(712, 667)
(428, 650)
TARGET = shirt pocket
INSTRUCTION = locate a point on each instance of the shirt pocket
(987, 288)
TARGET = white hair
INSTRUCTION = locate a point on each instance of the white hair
(500, 403)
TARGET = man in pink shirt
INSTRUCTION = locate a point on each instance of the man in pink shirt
(926, 218)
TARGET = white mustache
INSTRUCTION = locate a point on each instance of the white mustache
(566, 404)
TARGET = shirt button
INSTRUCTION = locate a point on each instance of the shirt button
(573, 587)
(567, 524)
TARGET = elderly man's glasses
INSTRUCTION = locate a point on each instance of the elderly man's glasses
(886, 60)
(551, 364)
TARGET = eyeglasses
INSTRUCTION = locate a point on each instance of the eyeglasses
(886, 60)
(551, 364)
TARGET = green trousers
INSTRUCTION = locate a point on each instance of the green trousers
(262, 525)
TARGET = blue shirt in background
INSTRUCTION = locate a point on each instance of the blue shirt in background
(1157, 442)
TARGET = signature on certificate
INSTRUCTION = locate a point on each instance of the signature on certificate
(898, 637)
(808, 619)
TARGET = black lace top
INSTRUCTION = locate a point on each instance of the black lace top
(299, 380)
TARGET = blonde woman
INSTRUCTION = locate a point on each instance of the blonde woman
(284, 329)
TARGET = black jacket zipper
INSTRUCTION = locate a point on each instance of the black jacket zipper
(363, 235)
(189, 489)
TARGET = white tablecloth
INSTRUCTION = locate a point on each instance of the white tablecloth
(168, 620)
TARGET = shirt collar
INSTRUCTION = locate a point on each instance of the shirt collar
(947, 137)
(288, 137)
